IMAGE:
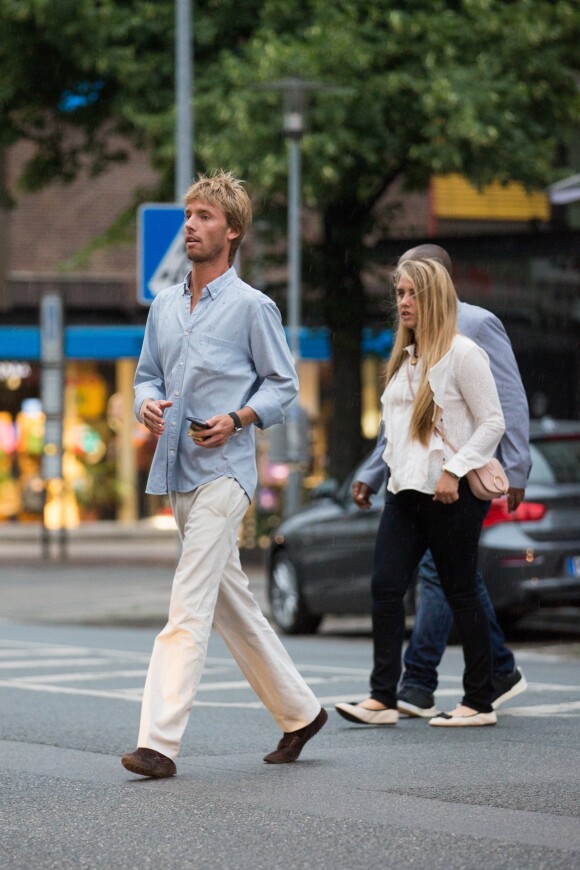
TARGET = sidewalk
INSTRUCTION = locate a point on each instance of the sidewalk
(100, 541)
(111, 574)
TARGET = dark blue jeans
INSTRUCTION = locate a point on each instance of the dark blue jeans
(411, 524)
(430, 634)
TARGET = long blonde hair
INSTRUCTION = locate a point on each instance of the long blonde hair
(436, 301)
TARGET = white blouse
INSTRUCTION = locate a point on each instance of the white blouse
(464, 388)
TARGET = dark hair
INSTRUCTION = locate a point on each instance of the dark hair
(428, 252)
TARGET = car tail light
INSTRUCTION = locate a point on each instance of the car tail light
(522, 561)
(527, 512)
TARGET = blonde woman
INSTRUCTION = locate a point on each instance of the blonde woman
(438, 384)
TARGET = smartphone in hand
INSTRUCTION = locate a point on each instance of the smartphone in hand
(196, 425)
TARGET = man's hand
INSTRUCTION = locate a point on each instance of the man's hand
(219, 430)
(514, 498)
(152, 415)
(361, 494)
(446, 489)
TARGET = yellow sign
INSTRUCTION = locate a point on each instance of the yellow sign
(89, 390)
(454, 198)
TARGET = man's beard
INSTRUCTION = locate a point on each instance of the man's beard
(206, 256)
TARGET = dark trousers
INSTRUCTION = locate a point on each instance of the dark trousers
(412, 523)
(431, 629)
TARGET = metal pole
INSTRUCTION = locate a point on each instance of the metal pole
(294, 247)
(51, 392)
(4, 219)
(184, 162)
(294, 483)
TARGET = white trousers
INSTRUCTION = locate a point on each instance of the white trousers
(209, 585)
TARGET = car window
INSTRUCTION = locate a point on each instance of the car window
(555, 460)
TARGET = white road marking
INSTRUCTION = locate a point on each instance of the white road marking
(64, 690)
(319, 669)
(50, 663)
(118, 695)
(243, 684)
(62, 649)
(543, 709)
(80, 677)
(553, 687)
(68, 665)
(543, 687)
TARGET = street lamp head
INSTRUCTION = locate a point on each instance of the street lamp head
(294, 95)
(293, 124)
(294, 91)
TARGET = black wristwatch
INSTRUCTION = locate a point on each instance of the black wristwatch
(237, 422)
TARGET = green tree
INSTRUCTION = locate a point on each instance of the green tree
(484, 88)
(78, 76)
(481, 87)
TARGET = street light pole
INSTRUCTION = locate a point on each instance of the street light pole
(294, 245)
(294, 91)
(184, 157)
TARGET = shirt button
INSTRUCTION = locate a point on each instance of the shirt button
(176, 393)
(185, 333)
(173, 422)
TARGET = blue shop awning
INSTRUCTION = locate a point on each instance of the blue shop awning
(119, 342)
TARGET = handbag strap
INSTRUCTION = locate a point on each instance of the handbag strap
(439, 425)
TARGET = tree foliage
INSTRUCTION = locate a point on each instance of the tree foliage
(479, 87)
(482, 87)
(78, 76)
(485, 88)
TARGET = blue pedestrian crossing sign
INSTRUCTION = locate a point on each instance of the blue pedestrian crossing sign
(161, 257)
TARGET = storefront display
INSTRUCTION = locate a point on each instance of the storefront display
(87, 488)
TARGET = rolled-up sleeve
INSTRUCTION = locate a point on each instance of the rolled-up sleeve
(149, 381)
(278, 381)
(373, 472)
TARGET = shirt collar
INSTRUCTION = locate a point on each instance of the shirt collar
(216, 286)
(410, 348)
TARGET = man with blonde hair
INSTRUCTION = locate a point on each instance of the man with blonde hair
(214, 364)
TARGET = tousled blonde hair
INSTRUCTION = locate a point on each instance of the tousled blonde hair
(228, 193)
(436, 301)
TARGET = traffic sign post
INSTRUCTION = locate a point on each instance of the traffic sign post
(51, 394)
(161, 256)
(51, 382)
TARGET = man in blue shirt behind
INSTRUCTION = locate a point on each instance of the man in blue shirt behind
(433, 616)
(214, 350)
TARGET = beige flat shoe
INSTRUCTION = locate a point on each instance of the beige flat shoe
(362, 716)
(449, 720)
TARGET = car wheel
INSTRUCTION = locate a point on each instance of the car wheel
(288, 609)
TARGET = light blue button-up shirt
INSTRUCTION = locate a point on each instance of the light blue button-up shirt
(229, 352)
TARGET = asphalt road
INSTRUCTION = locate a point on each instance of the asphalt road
(71, 675)
(506, 796)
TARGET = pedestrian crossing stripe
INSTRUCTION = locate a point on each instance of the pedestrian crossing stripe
(90, 665)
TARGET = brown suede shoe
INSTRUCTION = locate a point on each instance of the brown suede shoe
(292, 743)
(148, 762)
